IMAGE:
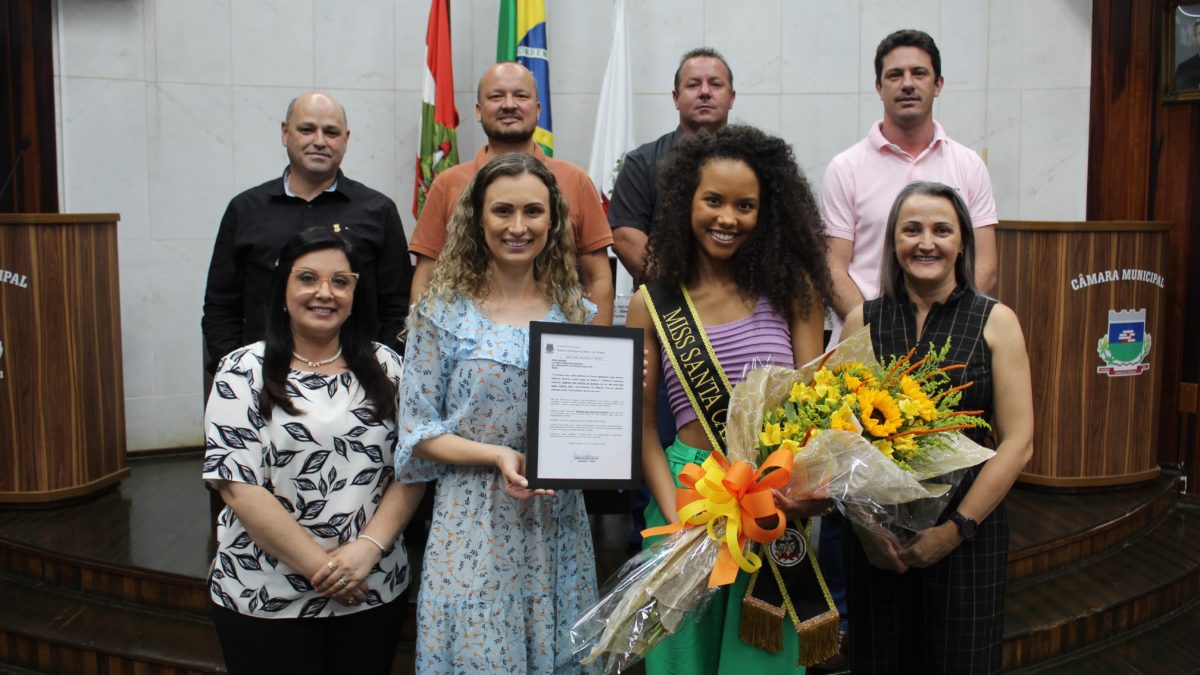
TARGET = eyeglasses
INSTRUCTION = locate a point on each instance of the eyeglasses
(341, 283)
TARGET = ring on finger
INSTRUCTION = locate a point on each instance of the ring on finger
(342, 582)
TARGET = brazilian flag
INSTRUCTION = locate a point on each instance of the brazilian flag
(522, 38)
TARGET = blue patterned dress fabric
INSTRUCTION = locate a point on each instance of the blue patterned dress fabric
(327, 467)
(503, 579)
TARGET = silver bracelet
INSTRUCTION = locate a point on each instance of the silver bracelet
(373, 540)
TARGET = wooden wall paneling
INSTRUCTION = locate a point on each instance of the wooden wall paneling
(27, 107)
(1122, 109)
(1176, 192)
(1144, 164)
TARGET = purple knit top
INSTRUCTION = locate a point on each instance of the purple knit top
(761, 339)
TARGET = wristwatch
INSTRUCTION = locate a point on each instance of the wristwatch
(966, 526)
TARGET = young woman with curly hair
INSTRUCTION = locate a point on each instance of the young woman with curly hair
(740, 234)
(507, 569)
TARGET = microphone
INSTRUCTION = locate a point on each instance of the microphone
(21, 148)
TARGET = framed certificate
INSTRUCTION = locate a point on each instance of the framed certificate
(585, 406)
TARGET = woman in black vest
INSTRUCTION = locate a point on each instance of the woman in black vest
(935, 604)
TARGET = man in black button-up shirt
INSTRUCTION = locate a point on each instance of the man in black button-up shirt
(311, 191)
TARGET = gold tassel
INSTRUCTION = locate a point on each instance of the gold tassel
(818, 637)
(761, 624)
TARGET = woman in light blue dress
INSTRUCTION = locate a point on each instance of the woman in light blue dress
(507, 569)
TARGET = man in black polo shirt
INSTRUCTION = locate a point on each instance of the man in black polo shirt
(311, 191)
(703, 96)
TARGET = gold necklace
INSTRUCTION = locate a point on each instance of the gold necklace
(318, 364)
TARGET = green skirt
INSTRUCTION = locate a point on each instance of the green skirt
(709, 643)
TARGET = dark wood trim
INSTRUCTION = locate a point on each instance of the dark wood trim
(164, 452)
(1087, 226)
(65, 494)
(1104, 481)
(58, 218)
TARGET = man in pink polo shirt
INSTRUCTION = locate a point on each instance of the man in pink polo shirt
(907, 145)
(507, 108)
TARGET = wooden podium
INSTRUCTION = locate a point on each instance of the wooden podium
(1091, 299)
(62, 399)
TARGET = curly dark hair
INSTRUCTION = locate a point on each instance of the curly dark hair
(783, 259)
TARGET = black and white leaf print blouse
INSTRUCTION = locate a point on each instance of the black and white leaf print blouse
(327, 467)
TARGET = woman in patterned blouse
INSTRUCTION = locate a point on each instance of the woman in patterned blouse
(935, 604)
(507, 569)
(310, 570)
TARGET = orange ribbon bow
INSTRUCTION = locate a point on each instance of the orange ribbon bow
(736, 495)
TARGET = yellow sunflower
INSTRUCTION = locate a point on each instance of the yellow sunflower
(880, 415)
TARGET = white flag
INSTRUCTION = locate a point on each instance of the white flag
(614, 116)
(614, 136)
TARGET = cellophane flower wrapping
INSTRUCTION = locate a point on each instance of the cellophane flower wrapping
(873, 489)
(649, 598)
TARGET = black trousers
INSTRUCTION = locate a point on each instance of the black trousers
(948, 618)
(360, 643)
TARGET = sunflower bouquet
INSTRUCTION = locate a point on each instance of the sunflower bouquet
(882, 440)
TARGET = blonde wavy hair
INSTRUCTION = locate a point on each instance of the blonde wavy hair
(464, 265)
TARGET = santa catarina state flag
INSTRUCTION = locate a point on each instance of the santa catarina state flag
(438, 148)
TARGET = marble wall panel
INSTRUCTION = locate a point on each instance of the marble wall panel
(104, 157)
(1006, 21)
(660, 32)
(273, 43)
(574, 126)
(193, 41)
(1054, 154)
(190, 136)
(141, 424)
(179, 420)
(749, 35)
(1004, 151)
(819, 126)
(179, 269)
(1056, 44)
(371, 151)
(103, 39)
(580, 34)
(819, 47)
(258, 152)
(353, 47)
(655, 115)
(963, 43)
(963, 115)
(135, 257)
(760, 110)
